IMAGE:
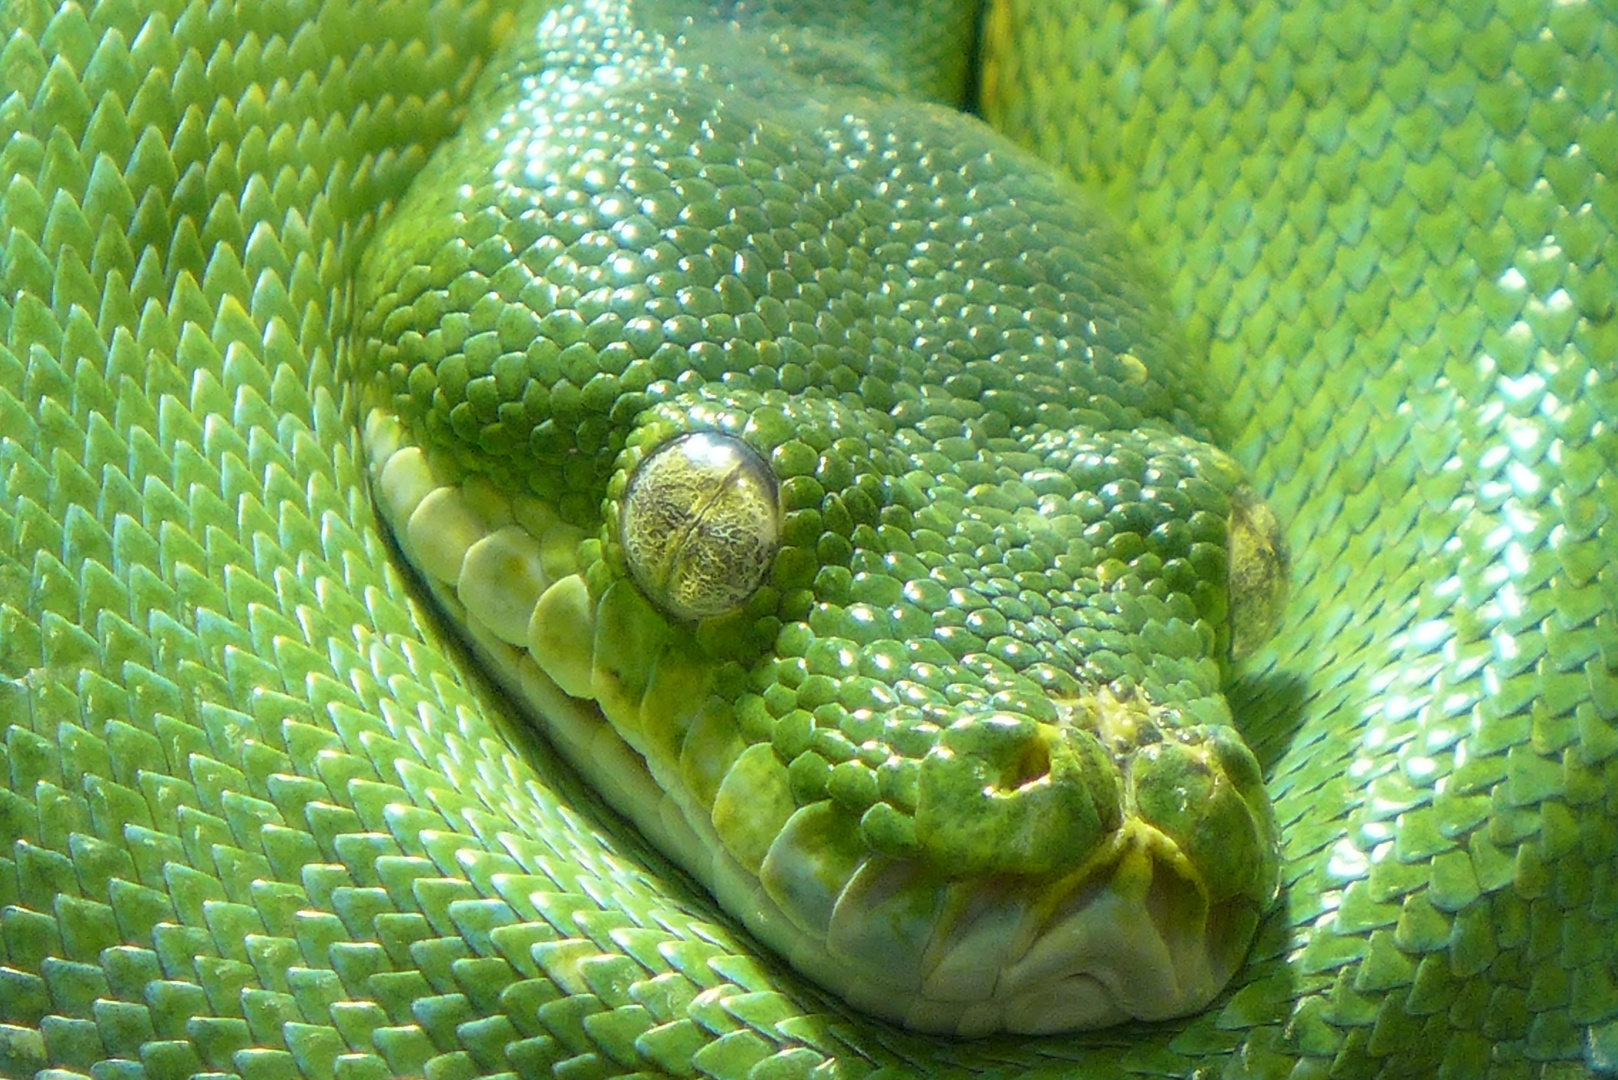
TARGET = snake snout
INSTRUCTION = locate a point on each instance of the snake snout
(1008, 794)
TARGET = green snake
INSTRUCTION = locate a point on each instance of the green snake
(268, 815)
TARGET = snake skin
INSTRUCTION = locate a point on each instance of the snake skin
(261, 819)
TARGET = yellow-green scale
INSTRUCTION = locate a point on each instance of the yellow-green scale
(783, 350)
(1392, 230)
(260, 819)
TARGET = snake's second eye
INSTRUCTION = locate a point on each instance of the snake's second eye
(1257, 578)
(700, 523)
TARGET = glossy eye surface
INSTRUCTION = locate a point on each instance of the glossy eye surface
(1259, 569)
(700, 524)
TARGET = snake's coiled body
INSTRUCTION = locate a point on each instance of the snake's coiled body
(260, 819)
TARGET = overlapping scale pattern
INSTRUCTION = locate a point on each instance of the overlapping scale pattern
(1393, 229)
(646, 247)
(255, 821)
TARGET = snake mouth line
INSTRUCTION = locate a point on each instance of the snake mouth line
(1113, 930)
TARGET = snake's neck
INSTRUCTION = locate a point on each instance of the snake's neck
(845, 42)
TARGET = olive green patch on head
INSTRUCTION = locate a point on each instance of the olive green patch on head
(1005, 794)
(752, 805)
(502, 578)
(810, 863)
(900, 555)
(561, 635)
(630, 638)
(1260, 566)
(710, 747)
(1203, 790)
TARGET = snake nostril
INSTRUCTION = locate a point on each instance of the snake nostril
(1032, 766)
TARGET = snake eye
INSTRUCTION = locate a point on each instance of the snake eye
(700, 523)
(1259, 567)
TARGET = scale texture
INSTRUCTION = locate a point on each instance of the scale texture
(262, 818)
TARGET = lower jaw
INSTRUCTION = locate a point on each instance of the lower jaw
(1062, 956)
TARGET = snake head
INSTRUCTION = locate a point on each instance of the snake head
(831, 477)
